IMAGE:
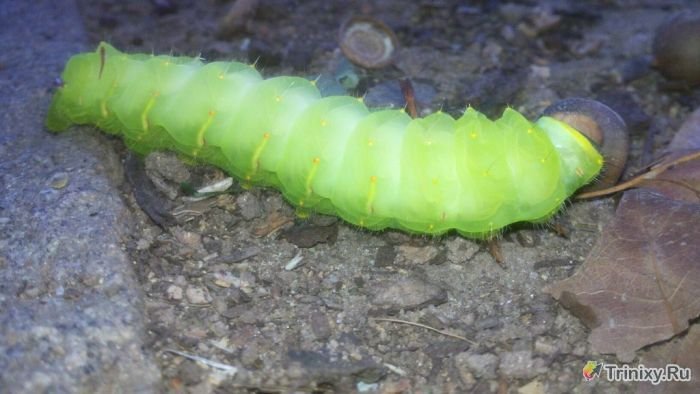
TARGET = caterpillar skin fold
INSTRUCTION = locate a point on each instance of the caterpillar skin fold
(374, 169)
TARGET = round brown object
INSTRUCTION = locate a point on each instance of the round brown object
(677, 49)
(368, 42)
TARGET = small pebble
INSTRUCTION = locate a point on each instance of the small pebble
(249, 206)
(173, 293)
(408, 293)
(520, 364)
(480, 365)
(197, 295)
(59, 180)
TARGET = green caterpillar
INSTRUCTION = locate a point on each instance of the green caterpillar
(331, 154)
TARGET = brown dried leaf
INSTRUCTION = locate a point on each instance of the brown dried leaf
(641, 282)
(680, 182)
(273, 222)
(688, 135)
(684, 352)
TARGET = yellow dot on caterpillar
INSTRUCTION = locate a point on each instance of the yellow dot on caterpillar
(166, 63)
(316, 160)
(370, 143)
(212, 112)
(278, 98)
(600, 161)
(542, 160)
(266, 136)
(373, 179)
(431, 227)
(473, 135)
(529, 131)
(324, 123)
(361, 99)
(221, 76)
(301, 203)
(428, 142)
(579, 171)
(435, 181)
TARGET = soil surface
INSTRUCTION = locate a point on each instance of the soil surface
(316, 304)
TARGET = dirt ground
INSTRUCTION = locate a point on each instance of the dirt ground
(218, 278)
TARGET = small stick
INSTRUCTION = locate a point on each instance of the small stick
(410, 96)
(447, 334)
(229, 369)
(651, 174)
(494, 247)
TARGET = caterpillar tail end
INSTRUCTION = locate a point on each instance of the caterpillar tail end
(56, 119)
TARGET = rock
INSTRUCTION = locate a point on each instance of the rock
(249, 206)
(460, 250)
(168, 166)
(70, 305)
(409, 293)
(534, 387)
(418, 254)
(478, 365)
(520, 364)
(307, 236)
(197, 295)
(173, 293)
(320, 326)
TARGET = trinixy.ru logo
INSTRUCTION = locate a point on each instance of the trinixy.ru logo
(640, 373)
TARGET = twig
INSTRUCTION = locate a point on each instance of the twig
(410, 323)
(229, 369)
(410, 96)
(651, 174)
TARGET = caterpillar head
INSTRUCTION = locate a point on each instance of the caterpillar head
(603, 129)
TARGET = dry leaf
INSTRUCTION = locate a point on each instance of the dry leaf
(684, 352)
(641, 282)
(680, 182)
(688, 135)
